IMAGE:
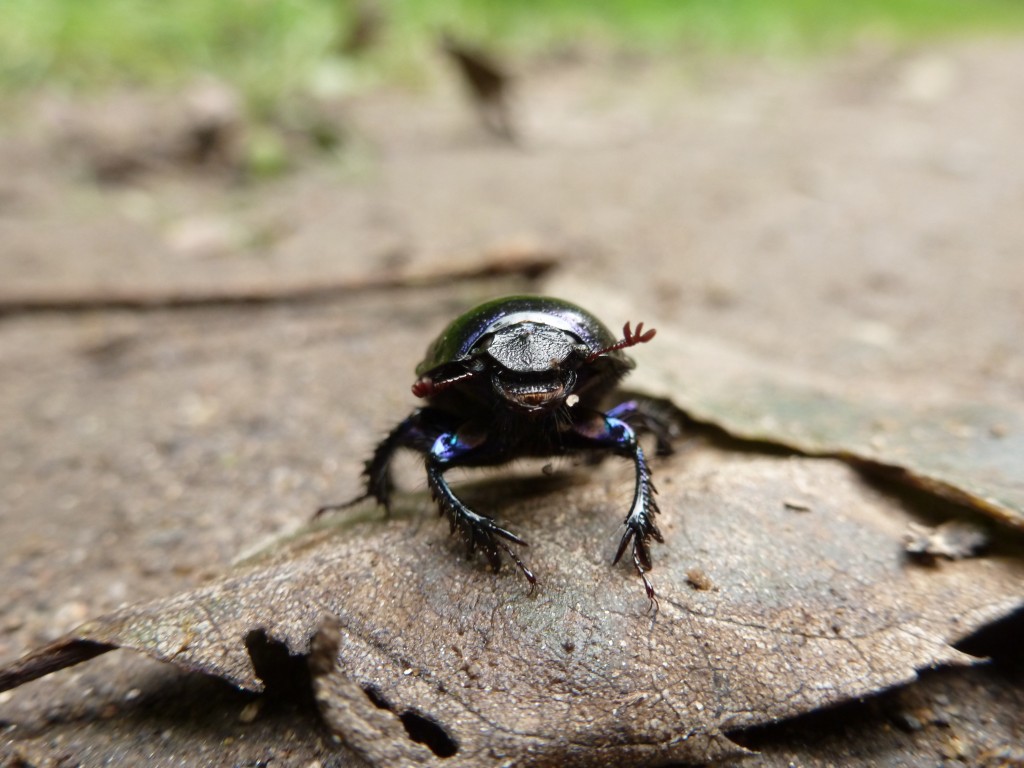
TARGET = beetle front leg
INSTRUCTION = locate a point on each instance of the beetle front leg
(640, 525)
(610, 432)
(449, 449)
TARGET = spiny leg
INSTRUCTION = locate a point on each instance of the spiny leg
(610, 432)
(640, 525)
(431, 432)
(414, 432)
(477, 530)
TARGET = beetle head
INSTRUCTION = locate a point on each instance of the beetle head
(532, 354)
(533, 365)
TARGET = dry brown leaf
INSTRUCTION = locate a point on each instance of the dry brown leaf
(807, 609)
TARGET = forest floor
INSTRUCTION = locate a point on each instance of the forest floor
(857, 217)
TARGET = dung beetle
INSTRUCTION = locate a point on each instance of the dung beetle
(524, 376)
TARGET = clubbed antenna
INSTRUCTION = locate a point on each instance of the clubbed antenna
(630, 339)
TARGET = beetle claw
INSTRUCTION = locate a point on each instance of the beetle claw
(522, 566)
(490, 538)
(641, 557)
(641, 552)
(508, 535)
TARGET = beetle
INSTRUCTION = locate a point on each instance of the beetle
(524, 376)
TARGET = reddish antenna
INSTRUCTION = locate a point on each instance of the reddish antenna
(425, 385)
(630, 339)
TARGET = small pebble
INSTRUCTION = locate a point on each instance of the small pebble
(250, 711)
(699, 580)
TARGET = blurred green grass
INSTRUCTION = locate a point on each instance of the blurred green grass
(270, 48)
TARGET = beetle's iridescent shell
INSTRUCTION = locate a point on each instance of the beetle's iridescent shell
(464, 332)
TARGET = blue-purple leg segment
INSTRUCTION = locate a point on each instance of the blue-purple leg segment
(647, 414)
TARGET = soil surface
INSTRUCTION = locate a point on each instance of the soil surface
(858, 216)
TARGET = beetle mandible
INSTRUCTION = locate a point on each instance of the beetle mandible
(516, 377)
